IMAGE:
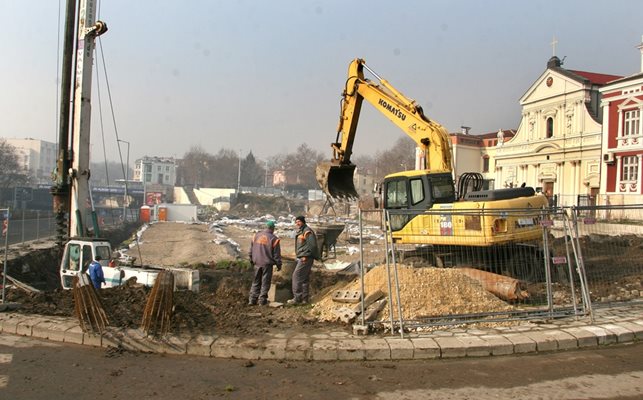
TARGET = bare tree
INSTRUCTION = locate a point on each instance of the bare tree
(400, 157)
(12, 173)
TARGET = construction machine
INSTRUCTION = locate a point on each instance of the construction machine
(423, 205)
(71, 189)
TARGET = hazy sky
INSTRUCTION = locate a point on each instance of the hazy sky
(267, 75)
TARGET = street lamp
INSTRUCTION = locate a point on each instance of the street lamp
(126, 179)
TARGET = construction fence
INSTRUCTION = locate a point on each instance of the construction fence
(452, 267)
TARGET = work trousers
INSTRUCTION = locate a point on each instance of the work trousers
(300, 280)
(261, 284)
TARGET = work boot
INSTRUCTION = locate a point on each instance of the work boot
(263, 302)
(252, 303)
(292, 302)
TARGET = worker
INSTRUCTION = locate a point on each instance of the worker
(265, 251)
(306, 251)
(96, 272)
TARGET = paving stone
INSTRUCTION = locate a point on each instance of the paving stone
(584, 338)
(564, 339)
(475, 347)
(451, 347)
(274, 349)
(325, 350)
(521, 343)
(350, 350)
(92, 339)
(636, 329)
(249, 348)
(401, 349)
(223, 347)
(74, 335)
(425, 348)
(200, 345)
(10, 324)
(499, 345)
(377, 349)
(299, 349)
(623, 335)
(44, 329)
(544, 342)
(602, 335)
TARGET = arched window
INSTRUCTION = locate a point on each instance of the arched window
(550, 127)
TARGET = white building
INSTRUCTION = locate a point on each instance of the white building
(37, 156)
(156, 170)
(557, 146)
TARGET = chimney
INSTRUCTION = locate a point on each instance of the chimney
(640, 47)
(465, 129)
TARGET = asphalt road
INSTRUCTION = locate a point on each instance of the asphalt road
(34, 369)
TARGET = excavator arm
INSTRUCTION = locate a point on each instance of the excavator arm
(336, 177)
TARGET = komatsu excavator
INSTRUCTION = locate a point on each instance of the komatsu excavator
(424, 207)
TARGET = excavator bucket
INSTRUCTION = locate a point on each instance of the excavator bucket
(336, 180)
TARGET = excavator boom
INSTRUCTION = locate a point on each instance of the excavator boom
(336, 177)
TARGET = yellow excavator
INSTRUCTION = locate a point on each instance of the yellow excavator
(423, 204)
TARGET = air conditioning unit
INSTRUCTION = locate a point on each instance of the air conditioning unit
(608, 158)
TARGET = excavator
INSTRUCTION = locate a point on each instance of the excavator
(423, 205)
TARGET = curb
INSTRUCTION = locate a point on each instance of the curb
(610, 326)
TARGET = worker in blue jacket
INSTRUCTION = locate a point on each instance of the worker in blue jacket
(96, 272)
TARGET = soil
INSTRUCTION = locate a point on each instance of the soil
(219, 251)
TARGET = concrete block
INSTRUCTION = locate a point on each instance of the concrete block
(564, 339)
(172, 345)
(602, 335)
(583, 337)
(299, 349)
(249, 348)
(279, 293)
(223, 347)
(376, 349)
(350, 349)
(451, 347)
(521, 343)
(44, 328)
(325, 350)
(475, 347)
(499, 345)
(137, 340)
(623, 335)
(401, 348)
(9, 325)
(112, 338)
(92, 339)
(200, 345)
(425, 348)
(74, 335)
(543, 341)
(274, 349)
(636, 329)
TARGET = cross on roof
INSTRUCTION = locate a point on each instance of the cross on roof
(553, 46)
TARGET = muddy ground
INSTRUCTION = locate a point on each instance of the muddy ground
(219, 251)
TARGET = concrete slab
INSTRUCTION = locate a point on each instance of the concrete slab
(544, 342)
(498, 344)
(451, 347)
(583, 337)
(564, 339)
(223, 347)
(350, 350)
(274, 349)
(401, 349)
(636, 329)
(10, 324)
(623, 335)
(376, 349)
(521, 343)
(92, 339)
(475, 346)
(74, 335)
(602, 335)
(299, 349)
(425, 348)
(200, 345)
(325, 350)
(137, 340)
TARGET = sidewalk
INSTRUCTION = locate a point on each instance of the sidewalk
(610, 326)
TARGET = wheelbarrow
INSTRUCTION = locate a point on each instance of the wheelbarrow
(327, 235)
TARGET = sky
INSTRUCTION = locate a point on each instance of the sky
(267, 76)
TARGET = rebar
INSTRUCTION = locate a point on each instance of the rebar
(87, 305)
(158, 309)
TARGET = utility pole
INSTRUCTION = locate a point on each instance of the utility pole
(126, 174)
(239, 174)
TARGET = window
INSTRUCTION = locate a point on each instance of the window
(396, 194)
(485, 164)
(631, 122)
(417, 191)
(167, 168)
(550, 127)
(630, 169)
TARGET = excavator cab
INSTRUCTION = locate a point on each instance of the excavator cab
(336, 180)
